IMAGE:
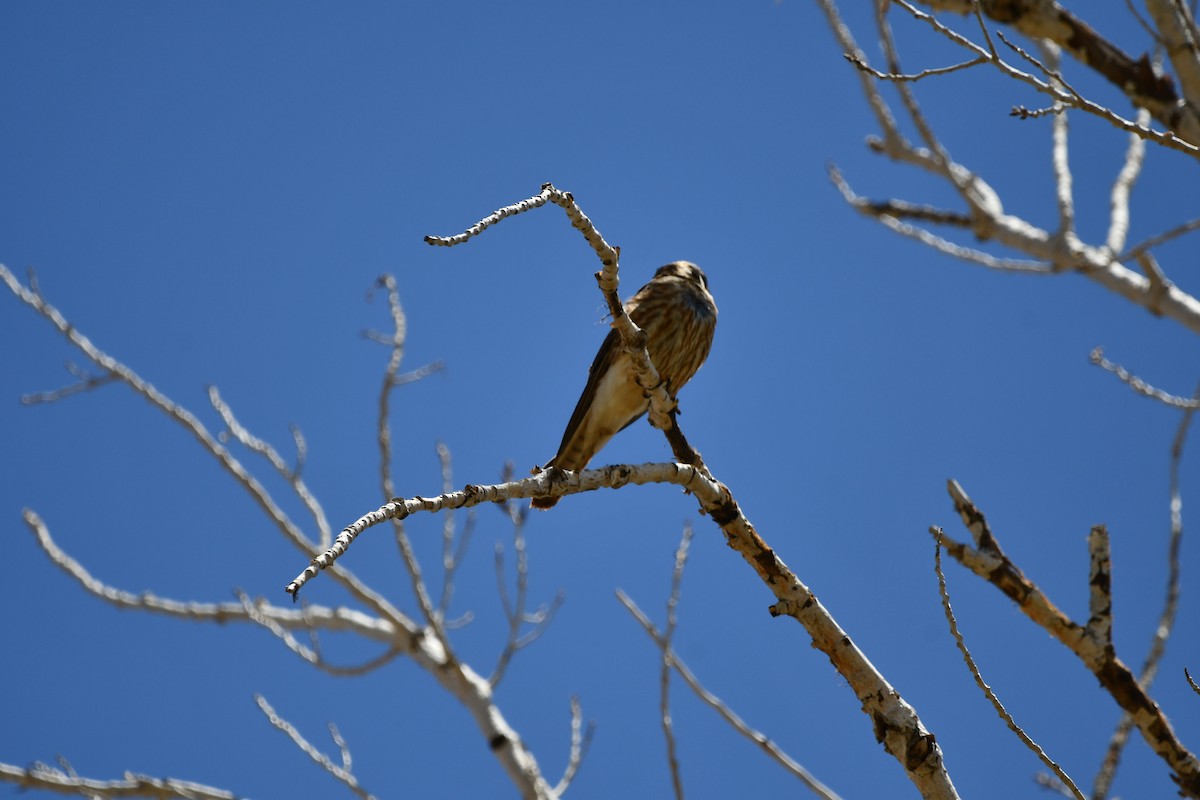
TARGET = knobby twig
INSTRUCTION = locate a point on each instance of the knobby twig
(1140, 386)
(611, 477)
(664, 679)
(632, 337)
(384, 438)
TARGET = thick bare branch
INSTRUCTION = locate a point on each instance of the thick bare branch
(49, 779)
(632, 337)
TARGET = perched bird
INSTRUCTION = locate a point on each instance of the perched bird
(679, 317)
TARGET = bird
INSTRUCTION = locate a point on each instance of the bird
(679, 317)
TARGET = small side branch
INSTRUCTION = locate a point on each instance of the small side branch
(343, 773)
(768, 746)
(1140, 386)
(581, 740)
(983, 686)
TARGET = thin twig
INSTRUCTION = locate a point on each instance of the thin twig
(1063, 194)
(857, 61)
(1155, 241)
(1139, 385)
(633, 338)
(384, 438)
(342, 773)
(664, 681)
(452, 556)
(514, 612)
(769, 747)
(987, 690)
(581, 741)
(289, 473)
(1131, 170)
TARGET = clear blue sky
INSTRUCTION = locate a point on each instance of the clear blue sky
(209, 190)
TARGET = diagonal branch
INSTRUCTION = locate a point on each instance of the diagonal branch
(983, 686)
(989, 562)
(728, 714)
(1137, 78)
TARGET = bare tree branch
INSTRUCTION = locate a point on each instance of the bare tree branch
(989, 562)
(514, 611)
(47, 778)
(189, 422)
(343, 774)
(762, 740)
(1135, 155)
(581, 740)
(983, 687)
(1140, 386)
(664, 680)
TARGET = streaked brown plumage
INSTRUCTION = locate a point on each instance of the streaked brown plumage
(679, 317)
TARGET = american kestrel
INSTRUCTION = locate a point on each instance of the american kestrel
(679, 317)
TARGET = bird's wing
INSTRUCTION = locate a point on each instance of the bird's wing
(605, 357)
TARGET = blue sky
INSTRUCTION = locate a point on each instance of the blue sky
(208, 191)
